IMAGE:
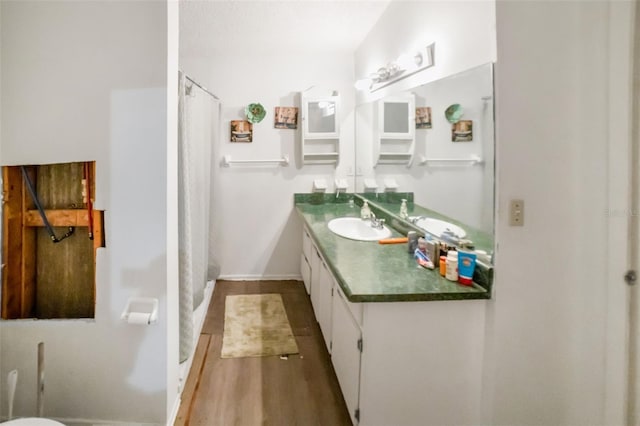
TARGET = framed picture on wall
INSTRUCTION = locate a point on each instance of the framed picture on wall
(241, 131)
(286, 118)
(462, 131)
(423, 117)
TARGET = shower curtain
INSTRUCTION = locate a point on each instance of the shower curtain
(195, 108)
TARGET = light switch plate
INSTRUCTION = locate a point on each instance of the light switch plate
(516, 213)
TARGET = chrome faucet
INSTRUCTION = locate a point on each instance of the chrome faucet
(376, 223)
(415, 219)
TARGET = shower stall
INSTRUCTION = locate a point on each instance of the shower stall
(198, 123)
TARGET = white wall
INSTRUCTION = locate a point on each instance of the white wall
(256, 229)
(88, 81)
(172, 280)
(552, 355)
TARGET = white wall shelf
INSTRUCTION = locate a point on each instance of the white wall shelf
(320, 129)
(284, 161)
(470, 161)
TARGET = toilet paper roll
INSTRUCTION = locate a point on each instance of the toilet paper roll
(139, 318)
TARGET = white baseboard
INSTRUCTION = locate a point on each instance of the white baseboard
(88, 422)
(232, 277)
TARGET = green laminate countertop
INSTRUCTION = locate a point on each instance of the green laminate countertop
(372, 272)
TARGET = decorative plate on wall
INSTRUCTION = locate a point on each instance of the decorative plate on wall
(255, 112)
(453, 113)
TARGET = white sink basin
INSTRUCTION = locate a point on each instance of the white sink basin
(357, 229)
(437, 227)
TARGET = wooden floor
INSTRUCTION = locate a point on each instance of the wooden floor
(300, 390)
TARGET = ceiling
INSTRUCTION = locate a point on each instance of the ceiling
(214, 26)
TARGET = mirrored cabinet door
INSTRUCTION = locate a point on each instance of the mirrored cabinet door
(395, 141)
(396, 117)
(320, 118)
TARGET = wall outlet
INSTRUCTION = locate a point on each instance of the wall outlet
(516, 213)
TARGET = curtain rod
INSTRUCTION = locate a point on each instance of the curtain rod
(201, 86)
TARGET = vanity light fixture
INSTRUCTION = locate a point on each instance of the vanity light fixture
(407, 64)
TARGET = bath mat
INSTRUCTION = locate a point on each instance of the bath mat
(256, 325)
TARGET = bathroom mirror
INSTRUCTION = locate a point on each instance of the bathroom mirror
(452, 166)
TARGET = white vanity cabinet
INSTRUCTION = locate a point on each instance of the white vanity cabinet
(322, 284)
(345, 355)
(401, 363)
(316, 263)
(325, 305)
(305, 260)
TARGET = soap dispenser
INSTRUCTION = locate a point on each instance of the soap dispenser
(403, 209)
(365, 211)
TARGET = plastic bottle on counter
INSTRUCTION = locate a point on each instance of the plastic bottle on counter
(452, 266)
(433, 251)
(412, 244)
(365, 211)
(404, 213)
(443, 265)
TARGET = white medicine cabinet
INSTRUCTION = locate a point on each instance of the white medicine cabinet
(395, 140)
(320, 128)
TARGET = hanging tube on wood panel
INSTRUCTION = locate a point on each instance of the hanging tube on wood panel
(40, 279)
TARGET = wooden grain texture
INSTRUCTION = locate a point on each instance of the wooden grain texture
(299, 390)
(60, 217)
(40, 278)
(11, 243)
(65, 275)
(65, 270)
(29, 268)
(193, 379)
(60, 185)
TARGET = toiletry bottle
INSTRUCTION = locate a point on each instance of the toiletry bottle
(433, 251)
(422, 245)
(466, 266)
(452, 266)
(365, 211)
(443, 265)
(412, 244)
(403, 209)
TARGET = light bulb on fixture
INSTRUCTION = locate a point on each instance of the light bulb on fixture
(393, 69)
(407, 64)
(381, 75)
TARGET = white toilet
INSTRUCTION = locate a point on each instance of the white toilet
(12, 379)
